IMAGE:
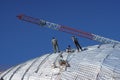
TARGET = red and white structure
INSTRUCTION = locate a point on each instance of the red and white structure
(66, 29)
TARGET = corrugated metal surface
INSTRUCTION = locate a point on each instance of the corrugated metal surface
(92, 64)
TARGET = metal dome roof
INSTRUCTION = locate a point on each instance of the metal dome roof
(91, 64)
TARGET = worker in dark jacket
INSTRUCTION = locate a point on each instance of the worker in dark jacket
(55, 45)
(1, 78)
(76, 43)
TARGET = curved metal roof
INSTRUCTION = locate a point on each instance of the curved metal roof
(91, 64)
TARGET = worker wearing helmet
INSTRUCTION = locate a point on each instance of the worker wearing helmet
(76, 43)
(68, 49)
(55, 45)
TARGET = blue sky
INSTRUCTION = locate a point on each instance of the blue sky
(21, 41)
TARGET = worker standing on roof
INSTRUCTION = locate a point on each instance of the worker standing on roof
(1, 78)
(55, 45)
(76, 43)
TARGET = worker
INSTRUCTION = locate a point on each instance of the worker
(1, 78)
(62, 62)
(68, 50)
(76, 43)
(55, 45)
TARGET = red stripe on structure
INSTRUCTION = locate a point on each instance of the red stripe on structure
(65, 27)
(20, 16)
(76, 32)
(61, 28)
(29, 19)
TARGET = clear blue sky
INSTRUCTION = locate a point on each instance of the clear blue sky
(21, 41)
